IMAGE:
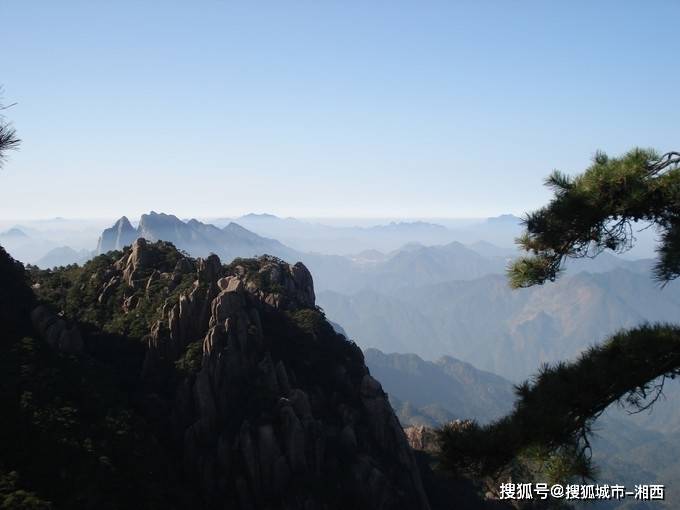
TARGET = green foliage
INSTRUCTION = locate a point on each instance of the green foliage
(597, 210)
(13, 497)
(71, 433)
(554, 413)
(70, 436)
(190, 362)
(76, 291)
(107, 436)
(558, 465)
(249, 265)
(311, 349)
(251, 271)
(312, 322)
(263, 281)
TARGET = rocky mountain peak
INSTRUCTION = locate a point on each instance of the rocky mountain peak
(123, 223)
(121, 234)
(199, 239)
(279, 284)
(156, 226)
(265, 404)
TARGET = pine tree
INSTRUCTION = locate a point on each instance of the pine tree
(548, 430)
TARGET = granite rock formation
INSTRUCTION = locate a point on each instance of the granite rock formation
(121, 234)
(269, 407)
(192, 236)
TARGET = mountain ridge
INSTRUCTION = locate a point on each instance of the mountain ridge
(527, 328)
(269, 406)
(196, 237)
(433, 393)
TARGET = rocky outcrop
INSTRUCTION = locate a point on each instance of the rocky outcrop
(259, 403)
(156, 226)
(425, 439)
(422, 438)
(197, 238)
(281, 285)
(273, 408)
(135, 263)
(121, 234)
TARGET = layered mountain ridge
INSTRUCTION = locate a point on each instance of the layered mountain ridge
(193, 236)
(433, 393)
(507, 332)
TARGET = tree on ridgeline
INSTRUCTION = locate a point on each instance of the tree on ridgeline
(549, 429)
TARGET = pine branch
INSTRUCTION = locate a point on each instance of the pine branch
(556, 410)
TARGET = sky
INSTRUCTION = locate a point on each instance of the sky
(324, 108)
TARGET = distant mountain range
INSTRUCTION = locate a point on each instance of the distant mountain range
(32, 241)
(629, 454)
(63, 256)
(412, 264)
(627, 450)
(23, 246)
(508, 332)
(309, 236)
(431, 393)
(491, 237)
(193, 236)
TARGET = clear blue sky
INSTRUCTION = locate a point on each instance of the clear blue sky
(320, 108)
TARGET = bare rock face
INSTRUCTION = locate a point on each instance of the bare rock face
(59, 334)
(279, 410)
(260, 403)
(422, 438)
(139, 259)
(281, 285)
(121, 234)
(303, 284)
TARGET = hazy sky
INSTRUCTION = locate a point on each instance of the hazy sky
(320, 108)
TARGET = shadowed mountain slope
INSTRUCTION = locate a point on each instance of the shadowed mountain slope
(238, 391)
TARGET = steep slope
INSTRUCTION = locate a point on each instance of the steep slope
(259, 401)
(69, 437)
(121, 234)
(428, 393)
